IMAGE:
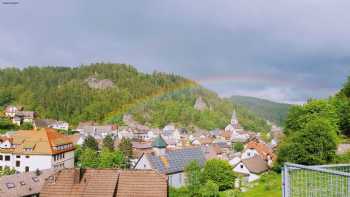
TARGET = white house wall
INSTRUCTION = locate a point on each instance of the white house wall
(34, 162)
(177, 180)
(249, 153)
(143, 164)
(241, 168)
(66, 162)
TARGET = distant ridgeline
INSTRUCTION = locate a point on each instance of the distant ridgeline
(269, 110)
(103, 92)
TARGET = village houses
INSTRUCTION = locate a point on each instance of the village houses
(36, 149)
(171, 163)
(97, 131)
(50, 123)
(18, 116)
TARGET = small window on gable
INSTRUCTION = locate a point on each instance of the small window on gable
(242, 166)
(10, 185)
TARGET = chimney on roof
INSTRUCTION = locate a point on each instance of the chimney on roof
(37, 172)
(78, 175)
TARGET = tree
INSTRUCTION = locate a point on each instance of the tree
(90, 142)
(111, 159)
(315, 144)
(342, 106)
(119, 160)
(6, 125)
(7, 171)
(238, 147)
(26, 126)
(89, 158)
(193, 177)
(220, 172)
(346, 88)
(210, 189)
(77, 155)
(108, 142)
(106, 158)
(125, 146)
(298, 116)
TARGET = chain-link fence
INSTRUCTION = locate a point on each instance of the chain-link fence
(316, 181)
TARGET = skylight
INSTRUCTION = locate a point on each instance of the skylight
(10, 185)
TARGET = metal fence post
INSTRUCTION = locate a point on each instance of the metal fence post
(285, 181)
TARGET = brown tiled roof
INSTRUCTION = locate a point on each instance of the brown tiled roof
(74, 138)
(226, 134)
(106, 183)
(146, 183)
(4, 138)
(42, 141)
(206, 140)
(256, 164)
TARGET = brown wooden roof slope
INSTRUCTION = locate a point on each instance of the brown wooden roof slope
(142, 183)
(106, 183)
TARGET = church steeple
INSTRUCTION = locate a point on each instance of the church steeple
(234, 120)
(159, 145)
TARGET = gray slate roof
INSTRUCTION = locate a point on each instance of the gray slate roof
(176, 160)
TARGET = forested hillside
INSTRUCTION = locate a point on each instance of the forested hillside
(104, 92)
(269, 110)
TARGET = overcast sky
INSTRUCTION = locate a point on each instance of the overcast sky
(285, 51)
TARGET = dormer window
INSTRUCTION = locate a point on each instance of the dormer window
(28, 149)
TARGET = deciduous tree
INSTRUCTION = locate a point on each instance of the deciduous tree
(220, 172)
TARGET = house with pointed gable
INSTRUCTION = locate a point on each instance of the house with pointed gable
(250, 168)
(171, 163)
(256, 147)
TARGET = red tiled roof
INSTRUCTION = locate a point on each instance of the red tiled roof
(263, 150)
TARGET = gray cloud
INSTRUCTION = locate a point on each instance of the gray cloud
(281, 50)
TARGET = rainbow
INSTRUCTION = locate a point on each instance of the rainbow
(157, 94)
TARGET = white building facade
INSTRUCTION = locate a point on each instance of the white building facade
(32, 150)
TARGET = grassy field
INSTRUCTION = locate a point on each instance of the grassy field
(268, 186)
